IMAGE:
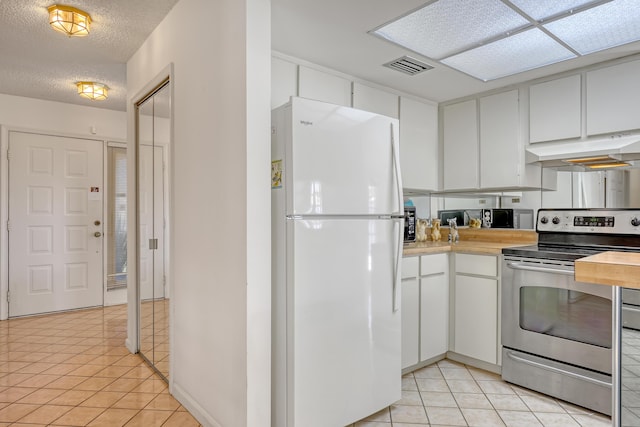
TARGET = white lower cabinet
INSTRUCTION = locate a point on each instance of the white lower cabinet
(425, 308)
(410, 310)
(475, 305)
(434, 315)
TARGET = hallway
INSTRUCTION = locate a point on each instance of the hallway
(72, 369)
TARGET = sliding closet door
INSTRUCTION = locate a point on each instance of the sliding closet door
(153, 140)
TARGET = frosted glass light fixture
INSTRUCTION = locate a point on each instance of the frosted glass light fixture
(92, 90)
(69, 20)
(490, 39)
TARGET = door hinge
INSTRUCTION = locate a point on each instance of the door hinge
(8, 226)
(8, 297)
(8, 154)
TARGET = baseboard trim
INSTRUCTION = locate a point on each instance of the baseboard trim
(193, 407)
(496, 369)
(424, 363)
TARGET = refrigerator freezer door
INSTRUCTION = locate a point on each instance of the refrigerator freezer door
(342, 161)
(345, 335)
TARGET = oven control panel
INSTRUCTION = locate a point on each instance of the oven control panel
(603, 221)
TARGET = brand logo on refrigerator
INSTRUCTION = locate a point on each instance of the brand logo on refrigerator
(306, 123)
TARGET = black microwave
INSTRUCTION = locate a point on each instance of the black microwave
(507, 218)
(409, 224)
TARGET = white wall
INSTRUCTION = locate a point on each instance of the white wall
(56, 117)
(220, 203)
(53, 118)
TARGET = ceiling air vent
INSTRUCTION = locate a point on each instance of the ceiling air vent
(408, 65)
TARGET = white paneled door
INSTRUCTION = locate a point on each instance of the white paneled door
(55, 223)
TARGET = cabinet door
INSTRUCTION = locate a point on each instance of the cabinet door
(419, 145)
(375, 100)
(484, 265)
(476, 318)
(434, 315)
(612, 98)
(410, 311)
(284, 81)
(555, 109)
(325, 87)
(500, 149)
(460, 133)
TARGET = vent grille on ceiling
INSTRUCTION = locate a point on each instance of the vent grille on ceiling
(408, 65)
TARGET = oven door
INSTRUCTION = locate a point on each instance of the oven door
(547, 313)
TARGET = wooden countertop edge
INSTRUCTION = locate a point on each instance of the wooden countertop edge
(474, 247)
(610, 268)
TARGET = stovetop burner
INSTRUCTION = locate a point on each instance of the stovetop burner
(559, 253)
(570, 234)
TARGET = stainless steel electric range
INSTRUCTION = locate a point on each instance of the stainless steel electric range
(556, 332)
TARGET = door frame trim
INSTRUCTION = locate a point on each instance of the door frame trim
(4, 201)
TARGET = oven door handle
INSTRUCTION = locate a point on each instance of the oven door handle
(522, 266)
(557, 370)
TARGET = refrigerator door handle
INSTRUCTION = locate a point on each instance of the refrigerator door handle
(396, 166)
(396, 270)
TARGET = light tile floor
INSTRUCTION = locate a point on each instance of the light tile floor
(451, 394)
(72, 369)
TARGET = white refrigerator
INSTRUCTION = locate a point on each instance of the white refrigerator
(337, 233)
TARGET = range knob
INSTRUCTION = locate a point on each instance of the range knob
(635, 221)
(544, 220)
(555, 220)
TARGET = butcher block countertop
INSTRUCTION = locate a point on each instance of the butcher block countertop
(473, 240)
(610, 268)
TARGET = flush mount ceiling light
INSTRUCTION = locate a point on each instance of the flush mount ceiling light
(490, 39)
(92, 90)
(69, 20)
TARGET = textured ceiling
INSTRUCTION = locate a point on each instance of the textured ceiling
(37, 62)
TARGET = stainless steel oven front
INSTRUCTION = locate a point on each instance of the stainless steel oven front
(556, 332)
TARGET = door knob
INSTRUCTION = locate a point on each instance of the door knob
(97, 234)
(96, 222)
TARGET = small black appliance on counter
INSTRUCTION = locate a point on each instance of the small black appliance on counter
(409, 224)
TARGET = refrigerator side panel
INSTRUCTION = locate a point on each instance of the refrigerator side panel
(346, 334)
(343, 161)
(278, 268)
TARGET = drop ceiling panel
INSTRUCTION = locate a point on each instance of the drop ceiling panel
(446, 27)
(544, 9)
(524, 51)
(602, 27)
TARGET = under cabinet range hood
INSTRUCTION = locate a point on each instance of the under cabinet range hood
(593, 154)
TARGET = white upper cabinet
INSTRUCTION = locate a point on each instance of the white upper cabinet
(500, 147)
(375, 100)
(460, 135)
(555, 109)
(418, 145)
(485, 149)
(325, 87)
(612, 98)
(284, 81)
